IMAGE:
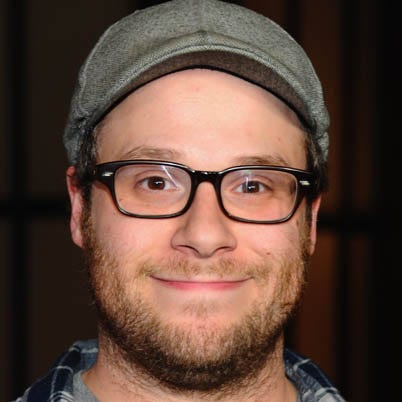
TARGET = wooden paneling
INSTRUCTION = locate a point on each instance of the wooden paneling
(60, 311)
(3, 102)
(321, 38)
(59, 38)
(316, 323)
(5, 313)
(275, 9)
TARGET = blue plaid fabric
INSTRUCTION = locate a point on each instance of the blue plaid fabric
(57, 384)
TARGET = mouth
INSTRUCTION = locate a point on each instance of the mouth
(200, 284)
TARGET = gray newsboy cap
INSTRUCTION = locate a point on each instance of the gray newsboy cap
(182, 34)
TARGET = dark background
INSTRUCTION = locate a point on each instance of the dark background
(349, 322)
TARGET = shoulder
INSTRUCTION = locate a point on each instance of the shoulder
(57, 383)
(311, 382)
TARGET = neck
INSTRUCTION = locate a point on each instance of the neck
(111, 378)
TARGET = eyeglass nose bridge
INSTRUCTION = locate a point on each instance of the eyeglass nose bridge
(200, 176)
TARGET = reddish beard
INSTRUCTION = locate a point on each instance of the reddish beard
(204, 358)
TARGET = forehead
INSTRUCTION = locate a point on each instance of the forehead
(197, 112)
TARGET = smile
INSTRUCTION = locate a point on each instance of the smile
(201, 284)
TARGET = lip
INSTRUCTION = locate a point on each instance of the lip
(201, 284)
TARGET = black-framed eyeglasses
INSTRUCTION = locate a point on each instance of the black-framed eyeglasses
(158, 189)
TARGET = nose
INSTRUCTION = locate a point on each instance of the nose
(204, 230)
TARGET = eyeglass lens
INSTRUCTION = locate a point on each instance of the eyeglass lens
(157, 189)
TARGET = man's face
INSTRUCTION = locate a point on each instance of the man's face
(199, 300)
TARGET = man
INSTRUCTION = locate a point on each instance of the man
(197, 140)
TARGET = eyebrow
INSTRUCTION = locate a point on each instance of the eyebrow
(269, 159)
(145, 152)
(172, 155)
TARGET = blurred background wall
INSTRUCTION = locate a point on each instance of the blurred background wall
(349, 322)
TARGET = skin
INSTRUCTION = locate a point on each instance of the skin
(207, 120)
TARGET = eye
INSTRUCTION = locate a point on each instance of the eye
(251, 186)
(156, 183)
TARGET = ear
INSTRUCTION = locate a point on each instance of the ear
(77, 205)
(313, 230)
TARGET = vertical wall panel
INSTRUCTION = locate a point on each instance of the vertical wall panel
(320, 35)
(275, 9)
(60, 37)
(321, 38)
(4, 312)
(365, 108)
(59, 305)
(315, 324)
(358, 358)
(15, 62)
(3, 104)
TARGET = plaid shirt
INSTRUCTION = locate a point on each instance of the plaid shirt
(57, 384)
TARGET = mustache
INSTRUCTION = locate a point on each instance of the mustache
(222, 269)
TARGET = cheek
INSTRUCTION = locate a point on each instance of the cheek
(267, 240)
(124, 237)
